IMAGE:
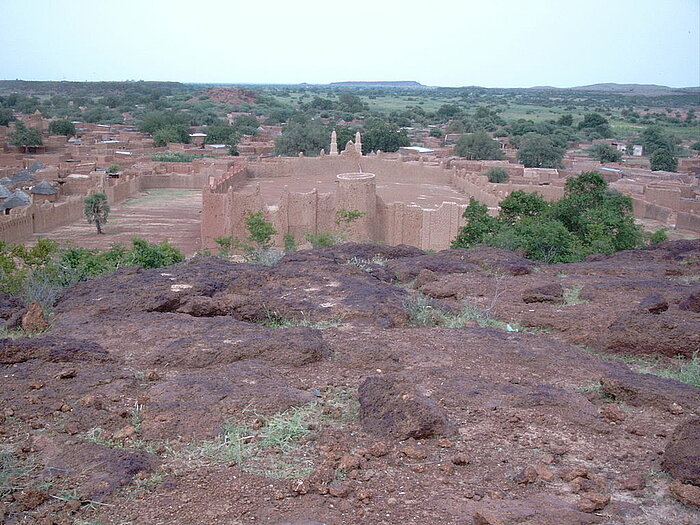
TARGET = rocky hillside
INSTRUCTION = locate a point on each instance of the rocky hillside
(360, 384)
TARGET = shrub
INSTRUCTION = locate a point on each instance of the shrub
(62, 127)
(151, 255)
(290, 244)
(497, 175)
(260, 230)
(663, 160)
(114, 168)
(321, 239)
(479, 225)
(590, 218)
(606, 153)
(658, 236)
(173, 156)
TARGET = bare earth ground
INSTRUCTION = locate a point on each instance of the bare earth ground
(420, 193)
(187, 395)
(154, 215)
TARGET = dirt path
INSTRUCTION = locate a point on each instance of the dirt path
(155, 215)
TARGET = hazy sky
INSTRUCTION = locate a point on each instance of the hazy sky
(492, 43)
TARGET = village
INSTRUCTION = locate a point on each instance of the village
(413, 196)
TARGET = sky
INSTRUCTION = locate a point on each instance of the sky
(490, 43)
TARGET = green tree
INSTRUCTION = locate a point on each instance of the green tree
(6, 116)
(479, 225)
(260, 230)
(96, 210)
(221, 132)
(383, 136)
(606, 153)
(520, 204)
(663, 160)
(540, 151)
(62, 127)
(566, 120)
(541, 239)
(246, 125)
(695, 146)
(497, 175)
(596, 125)
(304, 135)
(478, 146)
(171, 134)
(601, 218)
(654, 138)
(24, 137)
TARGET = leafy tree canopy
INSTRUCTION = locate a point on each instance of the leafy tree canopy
(596, 125)
(606, 153)
(663, 160)
(62, 127)
(23, 136)
(540, 151)
(383, 136)
(478, 146)
(590, 218)
(96, 210)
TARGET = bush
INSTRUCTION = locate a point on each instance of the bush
(663, 160)
(435, 132)
(173, 156)
(321, 239)
(261, 231)
(658, 236)
(479, 225)
(590, 218)
(497, 175)
(606, 153)
(62, 127)
(114, 168)
(478, 146)
(40, 272)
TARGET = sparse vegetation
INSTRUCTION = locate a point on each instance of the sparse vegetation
(572, 296)
(367, 264)
(277, 446)
(97, 210)
(423, 312)
(276, 320)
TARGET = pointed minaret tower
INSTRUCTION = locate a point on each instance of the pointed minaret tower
(358, 143)
(334, 143)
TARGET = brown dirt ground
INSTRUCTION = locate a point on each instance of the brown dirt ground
(154, 215)
(115, 415)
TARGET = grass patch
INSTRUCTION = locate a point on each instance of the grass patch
(687, 279)
(159, 195)
(366, 264)
(276, 320)
(679, 368)
(572, 296)
(176, 156)
(277, 446)
(100, 437)
(268, 257)
(12, 472)
(597, 389)
(423, 312)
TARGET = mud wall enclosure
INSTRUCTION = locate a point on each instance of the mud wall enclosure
(413, 203)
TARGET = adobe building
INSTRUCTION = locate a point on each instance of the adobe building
(415, 198)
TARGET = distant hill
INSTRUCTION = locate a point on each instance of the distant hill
(635, 89)
(410, 84)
